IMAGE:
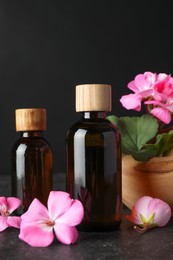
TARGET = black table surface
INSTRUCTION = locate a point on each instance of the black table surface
(123, 243)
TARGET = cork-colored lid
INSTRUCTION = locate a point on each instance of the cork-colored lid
(30, 119)
(93, 97)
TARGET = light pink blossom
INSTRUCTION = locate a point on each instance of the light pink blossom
(39, 223)
(149, 212)
(7, 206)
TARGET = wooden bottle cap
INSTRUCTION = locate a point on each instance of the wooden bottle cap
(30, 119)
(93, 97)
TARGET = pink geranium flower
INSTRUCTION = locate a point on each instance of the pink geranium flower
(39, 223)
(154, 89)
(149, 212)
(7, 206)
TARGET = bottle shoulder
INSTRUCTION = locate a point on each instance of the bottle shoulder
(99, 123)
(31, 143)
(90, 126)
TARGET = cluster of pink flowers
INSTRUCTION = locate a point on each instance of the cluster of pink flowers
(156, 90)
(38, 224)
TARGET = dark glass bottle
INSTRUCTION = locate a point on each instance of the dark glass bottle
(31, 158)
(94, 160)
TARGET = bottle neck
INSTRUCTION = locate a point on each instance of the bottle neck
(94, 115)
(31, 134)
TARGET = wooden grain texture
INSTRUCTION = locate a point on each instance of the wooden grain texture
(29, 119)
(93, 97)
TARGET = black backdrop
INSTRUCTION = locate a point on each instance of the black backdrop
(47, 47)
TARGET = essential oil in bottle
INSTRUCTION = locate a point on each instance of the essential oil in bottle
(31, 158)
(93, 152)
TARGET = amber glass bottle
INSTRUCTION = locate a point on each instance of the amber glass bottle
(94, 160)
(31, 157)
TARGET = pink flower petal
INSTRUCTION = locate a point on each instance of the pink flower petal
(131, 101)
(66, 234)
(3, 206)
(162, 114)
(34, 235)
(150, 77)
(131, 85)
(162, 76)
(3, 200)
(155, 102)
(58, 203)
(162, 211)
(3, 223)
(169, 105)
(146, 93)
(142, 82)
(74, 215)
(134, 220)
(12, 204)
(14, 221)
(36, 211)
(141, 206)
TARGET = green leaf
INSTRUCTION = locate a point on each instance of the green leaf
(136, 132)
(163, 144)
(113, 119)
(144, 154)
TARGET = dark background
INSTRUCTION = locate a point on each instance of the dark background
(48, 47)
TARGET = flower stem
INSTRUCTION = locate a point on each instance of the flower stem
(142, 229)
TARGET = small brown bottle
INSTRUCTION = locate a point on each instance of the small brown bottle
(31, 158)
(94, 160)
